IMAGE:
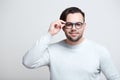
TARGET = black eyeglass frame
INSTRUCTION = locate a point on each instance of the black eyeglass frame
(69, 25)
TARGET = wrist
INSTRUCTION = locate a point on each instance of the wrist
(51, 33)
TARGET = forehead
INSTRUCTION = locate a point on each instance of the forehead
(74, 17)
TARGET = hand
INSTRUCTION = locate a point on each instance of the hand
(56, 26)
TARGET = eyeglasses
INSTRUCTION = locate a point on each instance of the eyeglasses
(69, 25)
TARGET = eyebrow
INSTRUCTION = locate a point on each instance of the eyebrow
(74, 22)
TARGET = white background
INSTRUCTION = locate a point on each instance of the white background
(22, 22)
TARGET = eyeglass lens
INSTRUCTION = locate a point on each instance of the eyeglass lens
(70, 24)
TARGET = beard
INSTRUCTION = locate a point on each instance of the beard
(72, 38)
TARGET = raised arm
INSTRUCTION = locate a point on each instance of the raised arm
(38, 55)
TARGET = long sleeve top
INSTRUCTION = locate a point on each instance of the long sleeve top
(84, 61)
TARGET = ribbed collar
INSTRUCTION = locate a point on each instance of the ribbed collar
(73, 46)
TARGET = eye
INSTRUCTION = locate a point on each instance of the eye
(68, 24)
(79, 24)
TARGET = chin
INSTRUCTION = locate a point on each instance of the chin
(74, 39)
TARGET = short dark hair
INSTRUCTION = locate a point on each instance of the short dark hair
(71, 10)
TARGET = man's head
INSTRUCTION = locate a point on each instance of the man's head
(75, 23)
(71, 10)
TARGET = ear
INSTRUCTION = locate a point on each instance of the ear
(84, 25)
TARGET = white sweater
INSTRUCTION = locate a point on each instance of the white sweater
(84, 61)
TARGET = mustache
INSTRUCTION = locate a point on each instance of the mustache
(73, 32)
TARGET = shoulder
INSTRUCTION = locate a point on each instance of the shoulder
(94, 44)
(101, 49)
(56, 44)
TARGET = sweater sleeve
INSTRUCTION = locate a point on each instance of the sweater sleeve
(38, 55)
(107, 66)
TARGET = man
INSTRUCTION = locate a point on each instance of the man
(74, 58)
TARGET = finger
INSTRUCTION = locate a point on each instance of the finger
(57, 25)
(62, 22)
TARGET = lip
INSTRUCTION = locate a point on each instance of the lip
(73, 34)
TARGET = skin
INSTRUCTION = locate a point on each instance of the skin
(74, 36)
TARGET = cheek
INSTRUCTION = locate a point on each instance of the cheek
(66, 31)
(81, 30)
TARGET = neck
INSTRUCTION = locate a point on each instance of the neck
(74, 43)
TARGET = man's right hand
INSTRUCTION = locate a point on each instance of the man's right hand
(56, 26)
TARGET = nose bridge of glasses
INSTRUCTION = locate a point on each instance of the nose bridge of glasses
(73, 25)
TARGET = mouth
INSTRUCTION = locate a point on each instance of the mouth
(73, 34)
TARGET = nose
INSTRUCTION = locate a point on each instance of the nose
(73, 26)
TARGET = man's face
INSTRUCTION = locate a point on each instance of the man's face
(75, 27)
